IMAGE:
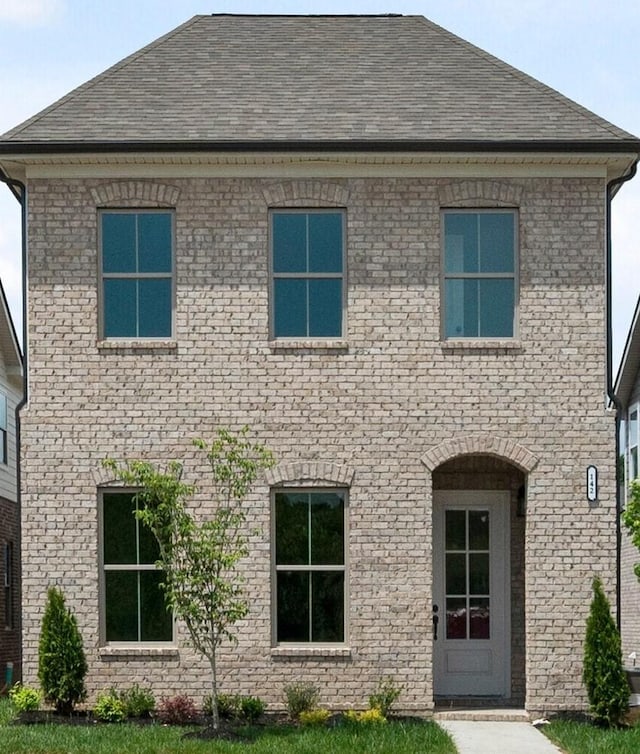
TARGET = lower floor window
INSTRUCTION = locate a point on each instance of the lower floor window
(133, 601)
(310, 566)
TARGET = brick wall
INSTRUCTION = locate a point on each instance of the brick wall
(375, 405)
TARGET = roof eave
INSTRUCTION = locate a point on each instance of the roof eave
(630, 362)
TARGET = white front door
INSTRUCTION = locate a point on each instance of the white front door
(471, 648)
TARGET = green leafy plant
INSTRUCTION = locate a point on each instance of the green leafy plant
(251, 708)
(109, 707)
(300, 697)
(177, 710)
(314, 718)
(603, 674)
(631, 518)
(138, 701)
(25, 698)
(62, 665)
(227, 706)
(372, 716)
(199, 559)
(385, 696)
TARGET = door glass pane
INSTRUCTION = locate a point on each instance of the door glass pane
(327, 529)
(293, 606)
(456, 568)
(479, 573)
(456, 618)
(292, 528)
(327, 606)
(455, 530)
(478, 530)
(479, 618)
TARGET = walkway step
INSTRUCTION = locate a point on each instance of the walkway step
(493, 737)
(497, 714)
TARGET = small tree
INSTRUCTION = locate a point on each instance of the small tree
(62, 665)
(604, 676)
(199, 559)
(631, 518)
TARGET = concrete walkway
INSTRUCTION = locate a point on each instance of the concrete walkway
(482, 737)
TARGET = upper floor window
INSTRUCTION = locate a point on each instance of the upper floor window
(307, 264)
(133, 605)
(310, 566)
(4, 449)
(137, 273)
(479, 271)
(632, 444)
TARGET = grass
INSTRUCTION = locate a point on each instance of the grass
(583, 738)
(398, 737)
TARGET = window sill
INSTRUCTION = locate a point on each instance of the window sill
(117, 651)
(137, 345)
(481, 344)
(311, 651)
(296, 344)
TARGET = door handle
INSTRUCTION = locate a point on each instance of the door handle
(435, 619)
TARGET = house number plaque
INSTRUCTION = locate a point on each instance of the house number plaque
(592, 484)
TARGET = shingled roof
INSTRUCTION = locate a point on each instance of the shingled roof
(233, 80)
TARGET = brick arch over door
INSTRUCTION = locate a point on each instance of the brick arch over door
(483, 444)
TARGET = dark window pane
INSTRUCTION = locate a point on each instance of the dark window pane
(325, 308)
(456, 618)
(121, 605)
(154, 304)
(479, 573)
(289, 242)
(496, 242)
(327, 529)
(120, 306)
(456, 568)
(325, 242)
(293, 606)
(148, 548)
(327, 606)
(156, 622)
(292, 528)
(461, 242)
(455, 530)
(496, 308)
(290, 308)
(478, 530)
(119, 526)
(479, 619)
(118, 242)
(461, 308)
(154, 242)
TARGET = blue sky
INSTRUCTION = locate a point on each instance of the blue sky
(586, 49)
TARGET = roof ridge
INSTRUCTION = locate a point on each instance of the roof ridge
(98, 78)
(529, 80)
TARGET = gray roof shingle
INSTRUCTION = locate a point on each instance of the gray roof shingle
(231, 80)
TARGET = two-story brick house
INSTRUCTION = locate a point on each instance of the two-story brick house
(10, 396)
(385, 251)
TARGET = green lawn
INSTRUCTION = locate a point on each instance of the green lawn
(582, 738)
(393, 738)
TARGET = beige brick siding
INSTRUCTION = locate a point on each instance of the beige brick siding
(375, 404)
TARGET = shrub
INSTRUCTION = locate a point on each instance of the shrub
(385, 696)
(300, 697)
(62, 665)
(603, 675)
(228, 706)
(371, 716)
(25, 698)
(138, 701)
(177, 710)
(251, 708)
(314, 718)
(109, 707)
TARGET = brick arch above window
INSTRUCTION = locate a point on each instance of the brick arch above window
(306, 193)
(480, 194)
(135, 193)
(310, 474)
(482, 444)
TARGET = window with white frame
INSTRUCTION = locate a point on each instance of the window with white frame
(632, 444)
(479, 273)
(310, 570)
(4, 445)
(307, 267)
(133, 603)
(136, 253)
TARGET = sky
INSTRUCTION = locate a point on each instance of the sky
(586, 49)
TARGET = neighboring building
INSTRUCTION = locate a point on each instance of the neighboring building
(10, 395)
(384, 250)
(627, 388)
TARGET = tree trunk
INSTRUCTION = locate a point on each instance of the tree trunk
(215, 720)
